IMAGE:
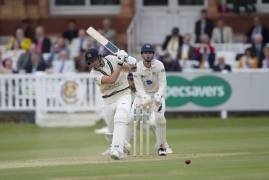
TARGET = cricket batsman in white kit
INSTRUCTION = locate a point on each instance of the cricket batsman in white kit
(150, 83)
(110, 73)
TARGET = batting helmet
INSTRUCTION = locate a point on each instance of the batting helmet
(147, 48)
(91, 55)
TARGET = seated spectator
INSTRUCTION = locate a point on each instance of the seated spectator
(54, 54)
(222, 33)
(108, 31)
(62, 43)
(257, 28)
(186, 50)
(72, 31)
(7, 67)
(14, 54)
(63, 64)
(79, 44)
(25, 58)
(221, 66)
(35, 64)
(169, 63)
(42, 42)
(265, 62)
(18, 41)
(172, 43)
(203, 26)
(257, 48)
(248, 60)
(205, 53)
(80, 63)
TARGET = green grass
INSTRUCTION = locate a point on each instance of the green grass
(237, 148)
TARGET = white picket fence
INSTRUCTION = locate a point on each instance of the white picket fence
(47, 92)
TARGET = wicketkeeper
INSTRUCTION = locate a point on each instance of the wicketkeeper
(150, 83)
(110, 73)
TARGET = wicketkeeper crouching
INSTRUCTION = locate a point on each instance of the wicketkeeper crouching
(150, 83)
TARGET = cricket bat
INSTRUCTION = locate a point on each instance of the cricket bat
(102, 40)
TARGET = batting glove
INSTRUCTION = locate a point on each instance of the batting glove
(158, 97)
(122, 55)
(146, 100)
(131, 61)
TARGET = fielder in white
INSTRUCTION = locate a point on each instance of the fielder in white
(150, 83)
(110, 73)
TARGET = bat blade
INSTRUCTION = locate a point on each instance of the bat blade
(102, 40)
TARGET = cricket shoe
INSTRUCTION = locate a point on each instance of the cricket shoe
(116, 155)
(162, 152)
(169, 150)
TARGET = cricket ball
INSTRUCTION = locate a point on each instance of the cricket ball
(187, 161)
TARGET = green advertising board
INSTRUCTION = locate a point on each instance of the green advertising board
(205, 91)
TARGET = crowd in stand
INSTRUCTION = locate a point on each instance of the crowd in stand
(31, 50)
(178, 53)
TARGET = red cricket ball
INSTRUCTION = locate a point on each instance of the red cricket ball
(187, 161)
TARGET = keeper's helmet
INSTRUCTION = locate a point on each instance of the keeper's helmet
(130, 76)
(91, 55)
(147, 48)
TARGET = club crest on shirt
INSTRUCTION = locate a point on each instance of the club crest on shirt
(149, 82)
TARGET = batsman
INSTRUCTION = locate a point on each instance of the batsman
(110, 74)
(150, 83)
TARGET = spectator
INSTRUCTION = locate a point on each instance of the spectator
(20, 40)
(169, 63)
(14, 54)
(186, 50)
(265, 62)
(257, 48)
(257, 28)
(72, 31)
(222, 33)
(248, 60)
(62, 43)
(25, 58)
(80, 43)
(109, 33)
(7, 67)
(27, 28)
(35, 64)
(54, 54)
(205, 53)
(222, 66)
(80, 63)
(42, 42)
(64, 64)
(203, 26)
(172, 43)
